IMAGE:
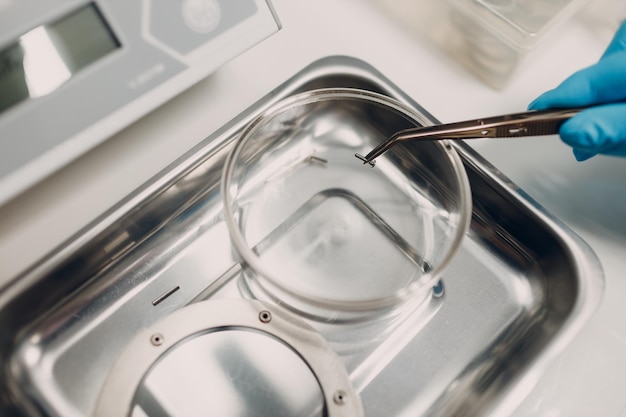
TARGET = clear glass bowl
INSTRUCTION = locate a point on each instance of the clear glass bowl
(322, 233)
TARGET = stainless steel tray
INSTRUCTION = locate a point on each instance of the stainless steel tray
(520, 289)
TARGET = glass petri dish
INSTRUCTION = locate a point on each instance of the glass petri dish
(323, 234)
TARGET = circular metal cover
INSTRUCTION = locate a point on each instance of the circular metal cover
(157, 352)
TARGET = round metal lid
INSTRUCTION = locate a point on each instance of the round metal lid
(238, 357)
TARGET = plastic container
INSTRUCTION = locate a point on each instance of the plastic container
(491, 38)
(322, 233)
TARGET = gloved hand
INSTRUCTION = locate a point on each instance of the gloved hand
(600, 129)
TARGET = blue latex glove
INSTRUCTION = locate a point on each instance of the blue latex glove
(600, 129)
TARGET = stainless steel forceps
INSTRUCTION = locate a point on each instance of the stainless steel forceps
(530, 123)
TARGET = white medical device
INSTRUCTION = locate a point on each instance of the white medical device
(74, 72)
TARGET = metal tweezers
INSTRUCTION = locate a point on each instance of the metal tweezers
(530, 123)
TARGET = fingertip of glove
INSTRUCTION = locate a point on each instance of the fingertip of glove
(537, 104)
(577, 134)
(543, 102)
(580, 131)
(582, 155)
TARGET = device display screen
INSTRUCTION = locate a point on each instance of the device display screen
(44, 58)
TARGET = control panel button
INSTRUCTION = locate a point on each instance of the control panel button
(201, 16)
(183, 26)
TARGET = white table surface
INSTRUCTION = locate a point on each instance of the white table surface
(590, 197)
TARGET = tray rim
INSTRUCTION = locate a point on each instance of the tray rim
(589, 278)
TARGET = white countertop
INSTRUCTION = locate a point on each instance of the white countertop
(589, 197)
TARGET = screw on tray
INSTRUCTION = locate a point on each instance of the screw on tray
(157, 339)
(265, 316)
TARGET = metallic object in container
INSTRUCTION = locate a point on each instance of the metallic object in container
(240, 358)
(517, 293)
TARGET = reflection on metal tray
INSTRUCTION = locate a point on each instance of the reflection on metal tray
(519, 290)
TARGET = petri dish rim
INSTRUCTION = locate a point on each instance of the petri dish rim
(363, 305)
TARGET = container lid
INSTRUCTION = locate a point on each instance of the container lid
(521, 23)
